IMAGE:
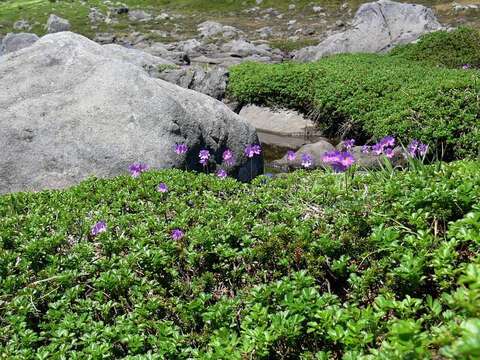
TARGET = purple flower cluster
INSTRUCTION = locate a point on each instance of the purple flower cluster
(307, 161)
(228, 157)
(181, 149)
(384, 146)
(348, 144)
(340, 161)
(98, 228)
(163, 188)
(204, 156)
(252, 150)
(466, 66)
(222, 174)
(291, 156)
(417, 148)
(177, 234)
(137, 168)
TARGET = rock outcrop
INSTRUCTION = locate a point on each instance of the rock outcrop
(376, 27)
(71, 109)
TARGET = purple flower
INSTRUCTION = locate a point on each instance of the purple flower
(348, 144)
(177, 234)
(466, 66)
(163, 188)
(377, 149)
(291, 155)
(181, 149)
(137, 168)
(204, 156)
(422, 149)
(366, 149)
(99, 228)
(416, 148)
(222, 174)
(339, 161)
(387, 141)
(413, 147)
(307, 161)
(389, 153)
(228, 157)
(252, 150)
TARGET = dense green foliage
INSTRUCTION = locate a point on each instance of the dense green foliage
(370, 96)
(295, 267)
(442, 48)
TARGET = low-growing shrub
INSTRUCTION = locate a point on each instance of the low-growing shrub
(294, 267)
(371, 96)
(451, 49)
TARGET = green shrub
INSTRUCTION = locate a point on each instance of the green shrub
(442, 48)
(386, 269)
(370, 96)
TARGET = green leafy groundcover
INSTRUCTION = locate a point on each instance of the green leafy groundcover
(370, 96)
(452, 49)
(297, 267)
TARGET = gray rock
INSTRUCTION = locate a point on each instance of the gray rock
(139, 15)
(370, 161)
(121, 10)
(57, 24)
(278, 121)
(211, 29)
(160, 50)
(148, 62)
(16, 41)
(317, 9)
(22, 25)
(191, 47)
(265, 32)
(377, 27)
(71, 110)
(212, 81)
(244, 48)
(95, 16)
(105, 38)
(315, 150)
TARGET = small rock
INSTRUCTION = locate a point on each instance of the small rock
(139, 15)
(317, 9)
(16, 41)
(291, 7)
(163, 16)
(265, 32)
(22, 25)
(57, 24)
(209, 29)
(105, 38)
(121, 10)
(96, 16)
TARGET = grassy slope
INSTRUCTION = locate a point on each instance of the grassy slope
(228, 11)
(389, 267)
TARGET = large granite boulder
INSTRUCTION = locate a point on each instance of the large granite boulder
(72, 110)
(152, 64)
(16, 41)
(377, 27)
